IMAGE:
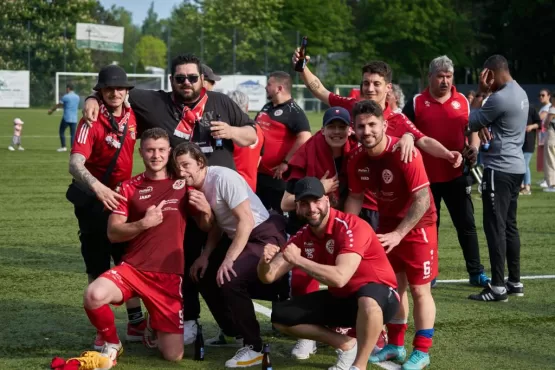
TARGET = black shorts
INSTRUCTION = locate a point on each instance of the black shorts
(96, 248)
(370, 216)
(322, 308)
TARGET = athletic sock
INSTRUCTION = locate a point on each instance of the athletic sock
(499, 289)
(135, 315)
(396, 332)
(423, 340)
(103, 320)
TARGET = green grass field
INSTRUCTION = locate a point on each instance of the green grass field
(42, 278)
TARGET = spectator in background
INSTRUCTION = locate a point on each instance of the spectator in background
(533, 124)
(470, 96)
(70, 103)
(247, 158)
(396, 98)
(545, 104)
(210, 77)
(16, 138)
(549, 149)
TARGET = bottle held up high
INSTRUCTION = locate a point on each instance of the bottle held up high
(301, 63)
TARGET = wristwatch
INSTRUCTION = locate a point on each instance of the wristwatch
(285, 161)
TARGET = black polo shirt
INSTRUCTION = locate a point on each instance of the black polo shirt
(157, 109)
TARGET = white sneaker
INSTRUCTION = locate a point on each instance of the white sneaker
(245, 357)
(112, 350)
(550, 189)
(11, 148)
(189, 332)
(354, 368)
(20, 148)
(64, 149)
(345, 359)
(543, 184)
(303, 349)
(221, 340)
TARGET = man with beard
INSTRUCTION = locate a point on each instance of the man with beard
(285, 128)
(442, 113)
(407, 229)
(226, 269)
(375, 86)
(152, 220)
(343, 252)
(190, 113)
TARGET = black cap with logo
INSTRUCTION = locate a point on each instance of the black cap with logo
(309, 187)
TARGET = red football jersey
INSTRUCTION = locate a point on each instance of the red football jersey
(247, 159)
(347, 233)
(98, 144)
(160, 248)
(447, 124)
(392, 183)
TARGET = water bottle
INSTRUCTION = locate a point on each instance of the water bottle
(486, 145)
(199, 344)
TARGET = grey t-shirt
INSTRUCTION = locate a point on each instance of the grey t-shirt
(224, 190)
(506, 112)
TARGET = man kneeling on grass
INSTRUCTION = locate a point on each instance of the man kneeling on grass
(343, 252)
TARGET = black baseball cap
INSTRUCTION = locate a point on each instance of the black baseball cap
(309, 187)
(336, 113)
(209, 74)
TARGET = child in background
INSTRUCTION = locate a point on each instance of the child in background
(16, 139)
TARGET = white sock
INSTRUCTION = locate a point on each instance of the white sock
(498, 289)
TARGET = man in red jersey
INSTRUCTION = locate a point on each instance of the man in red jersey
(152, 220)
(407, 228)
(286, 127)
(101, 158)
(375, 85)
(343, 252)
(442, 113)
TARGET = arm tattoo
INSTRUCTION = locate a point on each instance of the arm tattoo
(78, 170)
(314, 85)
(419, 206)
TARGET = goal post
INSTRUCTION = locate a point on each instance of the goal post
(304, 98)
(83, 82)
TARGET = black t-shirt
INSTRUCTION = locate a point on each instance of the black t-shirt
(157, 109)
(530, 137)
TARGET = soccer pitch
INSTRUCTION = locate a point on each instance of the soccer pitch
(42, 278)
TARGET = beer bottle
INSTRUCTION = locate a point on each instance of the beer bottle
(266, 363)
(199, 345)
(219, 143)
(301, 63)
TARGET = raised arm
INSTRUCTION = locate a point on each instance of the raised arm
(272, 265)
(312, 82)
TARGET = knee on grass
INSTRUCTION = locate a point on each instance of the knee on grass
(172, 355)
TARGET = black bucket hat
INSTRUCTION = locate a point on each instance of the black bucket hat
(112, 76)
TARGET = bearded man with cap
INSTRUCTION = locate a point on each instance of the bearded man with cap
(210, 77)
(101, 158)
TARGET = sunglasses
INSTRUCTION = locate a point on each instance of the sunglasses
(180, 79)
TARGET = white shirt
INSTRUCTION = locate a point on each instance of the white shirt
(225, 189)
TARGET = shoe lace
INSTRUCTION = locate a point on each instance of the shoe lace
(416, 357)
(242, 352)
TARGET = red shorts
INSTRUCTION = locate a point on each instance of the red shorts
(416, 255)
(160, 292)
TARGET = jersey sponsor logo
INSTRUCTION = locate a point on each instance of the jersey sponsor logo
(278, 112)
(330, 244)
(364, 178)
(309, 252)
(143, 197)
(179, 184)
(146, 190)
(387, 176)
(456, 105)
(427, 103)
(364, 170)
(172, 201)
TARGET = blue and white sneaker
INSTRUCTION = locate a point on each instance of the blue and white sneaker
(389, 352)
(480, 280)
(434, 283)
(417, 360)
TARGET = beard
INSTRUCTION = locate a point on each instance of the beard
(374, 144)
(317, 222)
(189, 96)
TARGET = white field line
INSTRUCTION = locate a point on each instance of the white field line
(32, 136)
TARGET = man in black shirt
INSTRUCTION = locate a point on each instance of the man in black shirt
(533, 124)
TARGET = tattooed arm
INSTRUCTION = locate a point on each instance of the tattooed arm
(80, 173)
(419, 206)
(315, 86)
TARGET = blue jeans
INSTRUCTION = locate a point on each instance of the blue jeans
(63, 126)
(528, 174)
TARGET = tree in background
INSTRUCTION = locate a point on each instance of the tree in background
(151, 52)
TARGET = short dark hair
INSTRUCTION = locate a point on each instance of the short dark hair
(70, 86)
(497, 63)
(193, 150)
(283, 78)
(471, 93)
(546, 91)
(155, 133)
(185, 59)
(367, 107)
(381, 68)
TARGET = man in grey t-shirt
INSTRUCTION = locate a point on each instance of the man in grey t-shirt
(501, 123)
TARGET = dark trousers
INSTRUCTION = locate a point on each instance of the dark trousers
(194, 241)
(62, 131)
(231, 304)
(370, 216)
(270, 191)
(499, 198)
(458, 198)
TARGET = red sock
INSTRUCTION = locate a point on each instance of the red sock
(422, 343)
(103, 320)
(396, 334)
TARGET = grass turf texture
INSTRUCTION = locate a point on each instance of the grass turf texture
(42, 278)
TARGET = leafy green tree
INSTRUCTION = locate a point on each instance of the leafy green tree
(151, 25)
(151, 51)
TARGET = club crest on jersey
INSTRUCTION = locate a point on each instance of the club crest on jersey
(330, 244)
(456, 105)
(387, 176)
(278, 112)
(179, 184)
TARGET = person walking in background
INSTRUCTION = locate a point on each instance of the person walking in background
(396, 98)
(470, 96)
(545, 103)
(16, 138)
(549, 149)
(210, 77)
(534, 123)
(70, 103)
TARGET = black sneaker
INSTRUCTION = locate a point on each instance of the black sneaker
(488, 295)
(516, 289)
